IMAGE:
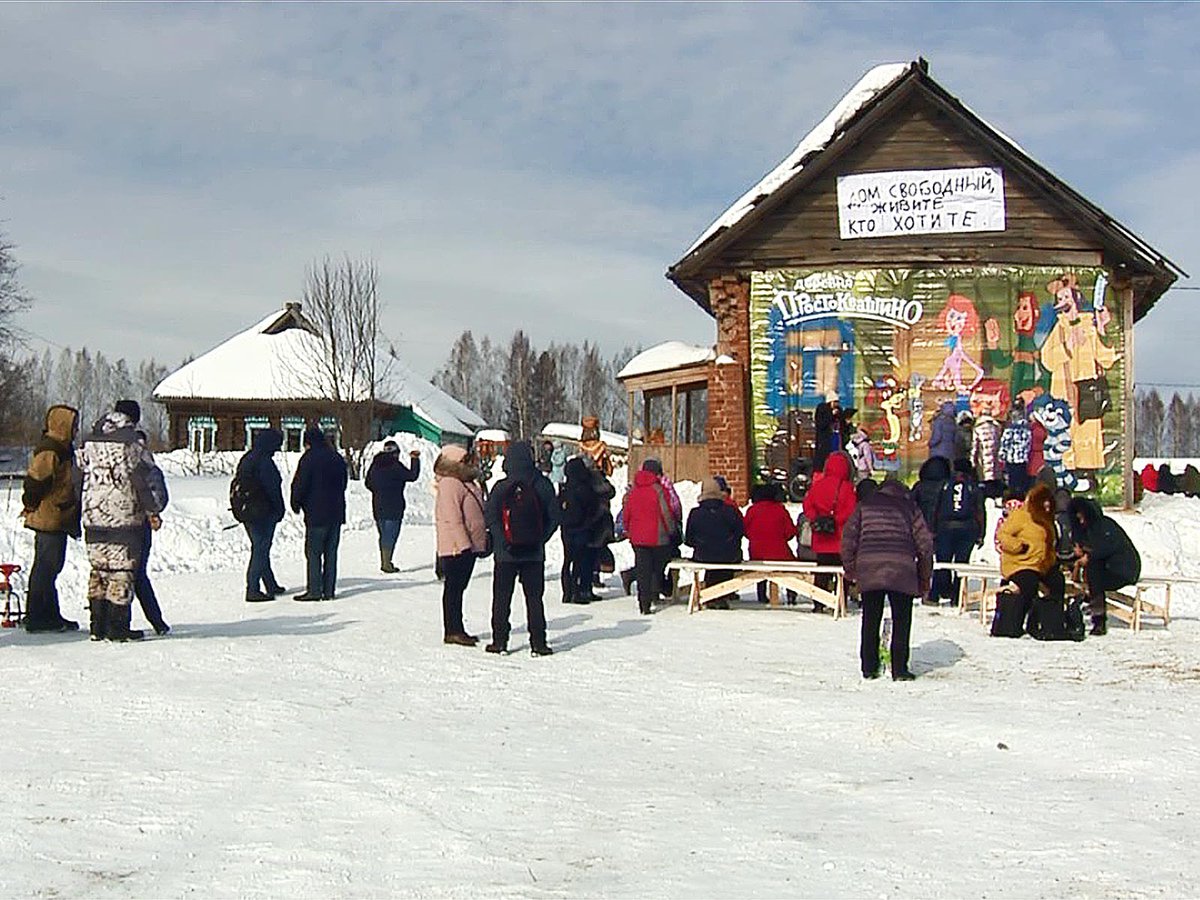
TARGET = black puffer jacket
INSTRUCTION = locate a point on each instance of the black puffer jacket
(577, 498)
(714, 532)
(387, 478)
(257, 465)
(934, 474)
(519, 467)
(1105, 541)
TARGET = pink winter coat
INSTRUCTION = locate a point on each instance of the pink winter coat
(458, 509)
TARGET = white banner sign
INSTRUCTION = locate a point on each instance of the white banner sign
(923, 201)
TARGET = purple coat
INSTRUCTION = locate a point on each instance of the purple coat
(943, 433)
(886, 545)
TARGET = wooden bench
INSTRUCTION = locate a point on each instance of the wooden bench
(793, 576)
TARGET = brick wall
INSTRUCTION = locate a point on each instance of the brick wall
(729, 385)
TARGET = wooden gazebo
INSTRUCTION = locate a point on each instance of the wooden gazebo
(672, 414)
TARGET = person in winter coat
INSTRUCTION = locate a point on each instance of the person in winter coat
(1107, 556)
(1150, 478)
(580, 509)
(544, 454)
(603, 530)
(985, 454)
(769, 528)
(521, 514)
(1037, 447)
(256, 467)
(652, 528)
(964, 435)
(142, 588)
(118, 495)
(888, 551)
(1016, 444)
(960, 524)
(558, 463)
(1026, 540)
(591, 444)
(829, 501)
(461, 535)
(862, 454)
(386, 479)
(675, 506)
(50, 501)
(319, 491)
(931, 478)
(943, 433)
(714, 532)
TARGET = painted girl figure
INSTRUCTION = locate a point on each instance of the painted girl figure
(1073, 353)
(959, 320)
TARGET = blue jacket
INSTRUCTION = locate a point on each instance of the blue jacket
(258, 465)
(386, 479)
(519, 467)
(943, 433)
(319, 485)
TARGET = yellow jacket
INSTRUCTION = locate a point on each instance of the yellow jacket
(52, 484)
(1024, 544)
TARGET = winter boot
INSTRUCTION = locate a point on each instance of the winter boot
(385, 563)
(496, 647)
(99, 619)
(1099, 625)
(540, 649)
(627, 581)
(119, 616)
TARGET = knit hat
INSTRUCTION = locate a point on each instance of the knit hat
(391, 447)
(710, 490)
(130, 408)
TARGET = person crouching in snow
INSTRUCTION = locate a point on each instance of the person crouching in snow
(769, 528)
(461, 535)
(888, 550)
(714, 532)
(1106, 555)
(117, 499)
(827, 506)
(1027, 557)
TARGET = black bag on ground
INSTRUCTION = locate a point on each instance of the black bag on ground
(1009, 620)
(1076, 629)
(1048, 620)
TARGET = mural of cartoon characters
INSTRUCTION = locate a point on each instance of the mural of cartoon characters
(1055, 416)
(959, 320)
(890, 397)
(1074, 353)
(990, 397)
(1029, 379)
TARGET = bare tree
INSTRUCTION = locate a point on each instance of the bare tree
(341, 301)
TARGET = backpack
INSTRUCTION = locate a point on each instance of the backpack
(247, 499)
(959, 501)
(522, 518)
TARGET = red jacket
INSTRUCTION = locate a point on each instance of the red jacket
(646, 513)
(1150, 478)
(1037, 453)
(832, 493)
(769, 527)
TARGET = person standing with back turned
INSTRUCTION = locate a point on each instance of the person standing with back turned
(263, 487)
(521, 514)
(319, 491)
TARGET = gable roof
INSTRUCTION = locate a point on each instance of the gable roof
(878, 91)
(277, 359)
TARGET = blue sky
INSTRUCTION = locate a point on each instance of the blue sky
(168, 172)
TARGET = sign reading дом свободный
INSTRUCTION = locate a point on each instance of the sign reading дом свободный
(921, 201)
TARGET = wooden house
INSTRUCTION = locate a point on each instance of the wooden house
(908, 255)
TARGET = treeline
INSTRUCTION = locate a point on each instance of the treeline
(1167, 428)
(88, 381)
(520, 388)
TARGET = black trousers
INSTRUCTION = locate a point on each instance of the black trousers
(579, 559)
(533, 585)
(143, 589)
(457, 571)
(648, 563)
(872, 618)
(1100, 579)
(49, 556)
(828, 581)
(952, 544)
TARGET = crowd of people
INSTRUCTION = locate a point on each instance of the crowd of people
(885, 536)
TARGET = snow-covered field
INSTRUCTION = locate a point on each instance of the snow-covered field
(340, 749)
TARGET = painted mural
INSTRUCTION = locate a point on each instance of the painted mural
(901, 345)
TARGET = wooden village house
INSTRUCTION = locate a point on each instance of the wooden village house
(908, 255)
(270, 376)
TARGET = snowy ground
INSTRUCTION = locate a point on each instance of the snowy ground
(339, 749)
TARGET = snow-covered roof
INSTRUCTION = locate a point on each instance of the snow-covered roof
(868, 87)
(404, 387)
(664, 357)
(568, 431)
(495, 435)
(279, 359)
(275, 359)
